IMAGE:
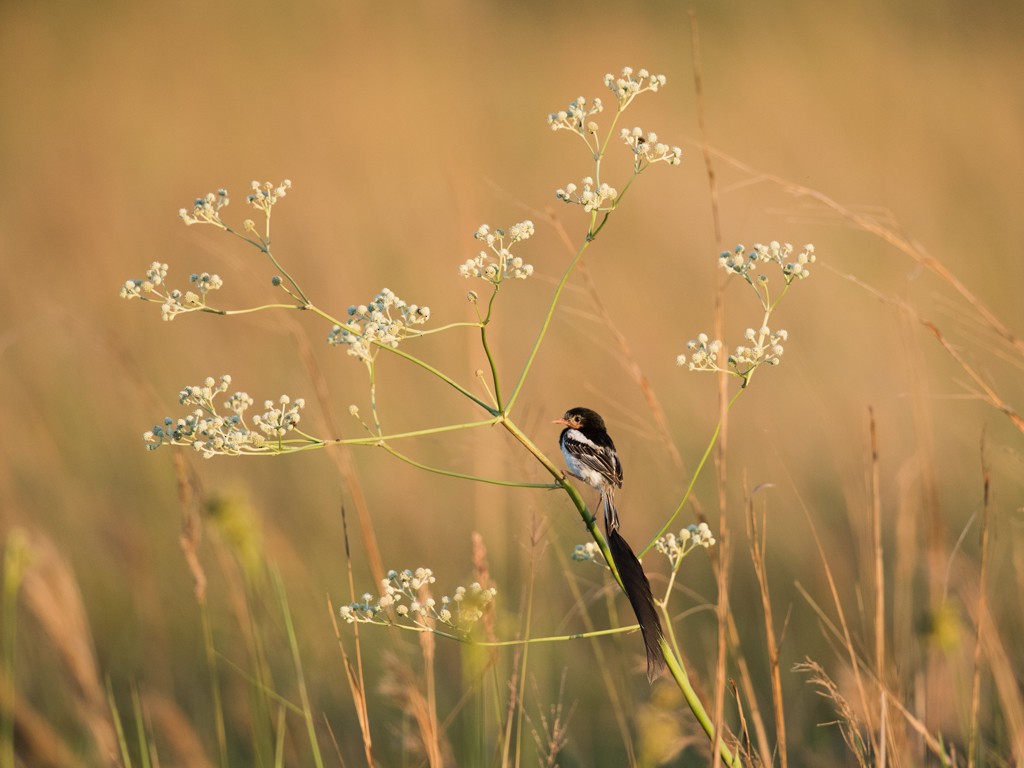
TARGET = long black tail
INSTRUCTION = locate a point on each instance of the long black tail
(638, 590)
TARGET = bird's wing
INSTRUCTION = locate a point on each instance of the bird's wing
(601, 459)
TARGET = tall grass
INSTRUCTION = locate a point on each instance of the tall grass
(865, 538)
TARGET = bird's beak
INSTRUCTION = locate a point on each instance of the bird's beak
(563, 422)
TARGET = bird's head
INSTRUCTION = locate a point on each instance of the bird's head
(581, 418)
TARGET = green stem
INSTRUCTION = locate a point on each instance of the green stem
(544, 327)
(283, 271)
(507, 643)
(683, 681)
(693, 478)
(373, 440)
(462, 475)
(246, 311)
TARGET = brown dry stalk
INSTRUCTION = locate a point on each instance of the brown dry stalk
(354, 673)
(38, 742)
(191, 528)
(986, 477)
(933, 744)
(749, 690)
(987, 392)
(757, 535)
(482, 571)
(990, 394)
(50, 593)
(355, 685)
(845, 635)
(429, 731)
(171, 723)
(879, 580)
(724, 561)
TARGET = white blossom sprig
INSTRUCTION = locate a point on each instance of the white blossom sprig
(173, 302)
(762, 345)
(206, 209)
(600, 197)
(589, 552)
(384, 322)
(212, 430)
(631, 84)
(743, 263)
(497, 263)
(405, 601)
(576, 116)
(264, 196)
(677, 546)
(648, 150)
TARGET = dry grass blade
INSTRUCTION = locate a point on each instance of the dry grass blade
(972, 742)
(757, 533)
(847, 722)
(355, 686)
(51, 594)
(401, 686)
(429, 729)
(879, 582)
(847, 639)
(38, 742)
(191, 528)
(986, 391)
(749, 689)
(173, 726)
(934, 745)
(353, 673)
(552, 736)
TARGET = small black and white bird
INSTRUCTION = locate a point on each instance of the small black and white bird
(590, 456)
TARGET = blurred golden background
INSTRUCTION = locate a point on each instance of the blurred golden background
(404, 127)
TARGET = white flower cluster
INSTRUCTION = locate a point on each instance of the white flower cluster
(206, 210)
(279, 418)
(762, 346)
(705, 354)
(401, 595)
(765, 347)
(647, 149)
(211, 433)
(264, 195)
(385, 321)
(675, 548)
(630, 84)
(590, 198)
(499, 264)
(575, 117)
(588, 553)
(173, 302)
(742, 263)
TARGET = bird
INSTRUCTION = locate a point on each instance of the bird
(590, 456)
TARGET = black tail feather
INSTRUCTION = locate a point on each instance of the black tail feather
(638, 590)
(611, 515)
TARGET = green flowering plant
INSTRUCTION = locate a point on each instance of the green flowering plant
(217, 423)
